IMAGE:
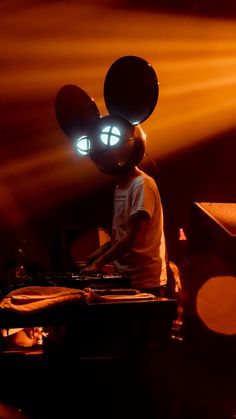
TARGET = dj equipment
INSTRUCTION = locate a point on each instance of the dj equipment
(75, 280)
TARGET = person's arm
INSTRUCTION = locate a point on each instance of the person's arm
(98, 252)
(136, 230)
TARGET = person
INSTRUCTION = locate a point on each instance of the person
(137, 247)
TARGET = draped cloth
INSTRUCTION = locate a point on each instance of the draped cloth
(35, 298)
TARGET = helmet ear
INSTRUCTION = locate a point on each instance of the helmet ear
(131, 89)
(139, 146)
(75, 111)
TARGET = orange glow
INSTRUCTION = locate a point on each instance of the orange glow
(46, 45)
(216, 302)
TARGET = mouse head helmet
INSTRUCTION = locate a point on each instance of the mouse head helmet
(114, 142)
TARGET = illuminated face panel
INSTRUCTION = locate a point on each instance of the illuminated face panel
(82, 145)
(111, 135)
(112, 144)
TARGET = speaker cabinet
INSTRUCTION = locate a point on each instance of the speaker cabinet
(210, 278)
(212, 230)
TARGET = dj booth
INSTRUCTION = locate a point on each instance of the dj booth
(93, 316)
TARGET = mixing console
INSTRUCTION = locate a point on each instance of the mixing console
(75, 280)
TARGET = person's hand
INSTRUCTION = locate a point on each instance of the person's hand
(90, 269)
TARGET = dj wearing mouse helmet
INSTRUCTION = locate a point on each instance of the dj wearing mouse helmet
(116, 145)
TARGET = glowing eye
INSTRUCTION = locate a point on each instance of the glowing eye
(110, 135)
(83, 145)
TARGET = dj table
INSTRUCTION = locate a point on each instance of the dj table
(106, 326)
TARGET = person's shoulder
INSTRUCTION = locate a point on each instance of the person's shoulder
(139, 178)
(147, 179)
(144, 181)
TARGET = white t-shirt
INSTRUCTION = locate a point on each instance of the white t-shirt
(145, 263)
